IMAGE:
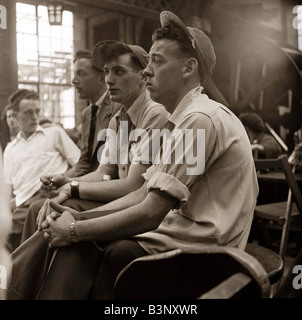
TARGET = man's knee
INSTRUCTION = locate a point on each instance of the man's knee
(120, 253)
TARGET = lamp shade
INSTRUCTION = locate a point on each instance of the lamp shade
(55, 12)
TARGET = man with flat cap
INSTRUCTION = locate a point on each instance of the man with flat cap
(125, 156)
(128, 88)
(89, 81)
(181, 204)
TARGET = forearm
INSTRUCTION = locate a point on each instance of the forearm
(129, 200)
(116, 188)
(95, 176)
(98, 175)
(142, 217)
(106, 191)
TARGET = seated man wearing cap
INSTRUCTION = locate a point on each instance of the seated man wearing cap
(126, 155)
(182, 204)
(121, 160)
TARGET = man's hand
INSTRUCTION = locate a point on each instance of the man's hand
(50, 184)
(64, 194)
(57, 229)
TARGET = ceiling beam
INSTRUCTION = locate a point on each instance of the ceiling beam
(121, 7)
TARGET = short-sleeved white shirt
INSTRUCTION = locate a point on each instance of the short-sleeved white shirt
(215, 205)
(48, 151)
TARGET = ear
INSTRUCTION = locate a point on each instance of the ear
(190, 67)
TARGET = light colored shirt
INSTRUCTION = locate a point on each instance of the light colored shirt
(215, 205)
(144, 114)
(48, 151)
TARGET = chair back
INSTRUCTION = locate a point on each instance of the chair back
(213, 272)
(294, 194)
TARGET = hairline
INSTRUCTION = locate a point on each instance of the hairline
(132, 56)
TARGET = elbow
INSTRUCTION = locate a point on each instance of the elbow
(154, 215)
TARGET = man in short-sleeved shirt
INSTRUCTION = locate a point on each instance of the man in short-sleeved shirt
(202, 188)
(139, 111)
(215, 210)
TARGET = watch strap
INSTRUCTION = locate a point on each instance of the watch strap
(75, 193)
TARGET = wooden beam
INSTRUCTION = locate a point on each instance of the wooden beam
(121, 7)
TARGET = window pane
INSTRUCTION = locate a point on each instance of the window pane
(45, 56)
(58, 103)
(26, 18)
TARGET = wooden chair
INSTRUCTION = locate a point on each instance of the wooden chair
(270, 260)
(213, 272)
(279, 215)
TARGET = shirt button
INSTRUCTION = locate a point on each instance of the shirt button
(123, 168)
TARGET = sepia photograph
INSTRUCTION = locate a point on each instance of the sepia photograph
(151, 153)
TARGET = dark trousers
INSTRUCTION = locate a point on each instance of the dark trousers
(117, 255)
(30, 225)
(77, 272)
(19, 216)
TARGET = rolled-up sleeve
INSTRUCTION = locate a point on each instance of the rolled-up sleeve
(166, 183)
(184, 162)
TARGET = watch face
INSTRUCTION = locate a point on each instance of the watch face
(74, 183)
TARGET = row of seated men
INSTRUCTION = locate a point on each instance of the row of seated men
(161, 166)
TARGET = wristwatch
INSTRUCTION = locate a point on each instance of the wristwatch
(74, 187)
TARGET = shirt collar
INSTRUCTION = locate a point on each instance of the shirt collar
(104, 101)
(138, 107)
(100, 100)
(176, 115)
(20, 136)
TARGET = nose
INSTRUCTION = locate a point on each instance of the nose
(74, 80)
(35, 115)
(109, 79)
(147, 72)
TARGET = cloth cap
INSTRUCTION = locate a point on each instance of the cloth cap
(98, 54)
(200, 42)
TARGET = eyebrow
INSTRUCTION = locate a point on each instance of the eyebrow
(115, 67)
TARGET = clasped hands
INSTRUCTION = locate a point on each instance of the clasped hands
(56, 225)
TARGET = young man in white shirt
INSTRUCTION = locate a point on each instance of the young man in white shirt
(183, 203)
(34, 152)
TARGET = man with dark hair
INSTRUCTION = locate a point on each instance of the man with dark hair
(263, 145)
(127, 154)
(120, 159)
(183, 203)
(34, 152)
(90, 84)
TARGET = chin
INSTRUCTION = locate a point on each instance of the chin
(115, 99)
(154, 97)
